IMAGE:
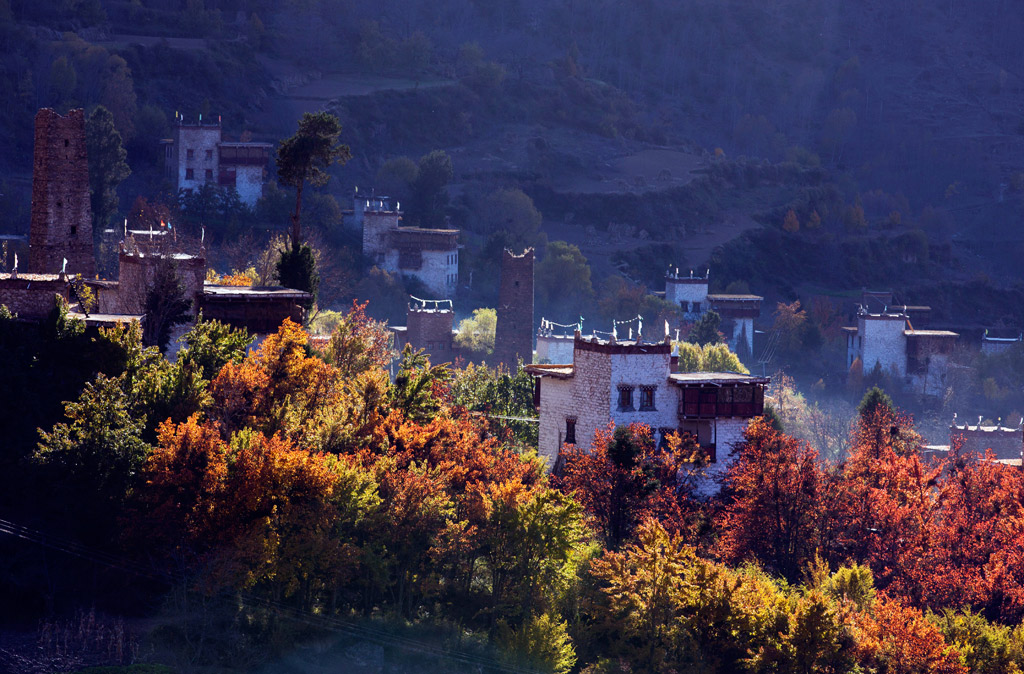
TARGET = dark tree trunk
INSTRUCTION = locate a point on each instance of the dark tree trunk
(296, 230)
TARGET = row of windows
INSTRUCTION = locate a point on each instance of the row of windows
(191, 154)
(430, 346)
(453, 258)
(646, 398)
(190, 174)
(451, 279)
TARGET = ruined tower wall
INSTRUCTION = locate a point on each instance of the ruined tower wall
(513, 338)
(61, 213)
(377, 228)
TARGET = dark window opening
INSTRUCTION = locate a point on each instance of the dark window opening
(625, 398)
(66, 142)
(209, 154)
(190, 174)
(647, 398)
(74, 230)
(190, 154)
(570, 430)
(209, 174)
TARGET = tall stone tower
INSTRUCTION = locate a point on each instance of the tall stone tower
(513, 337)
(61, 214)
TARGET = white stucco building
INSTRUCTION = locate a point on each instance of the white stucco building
(430, 255)
(197, 154)
(918, 359)
(627, 382)
(738, 311)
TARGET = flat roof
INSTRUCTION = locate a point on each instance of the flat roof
(733, 298)
(556, 371)
(715, 378)
(32, 277)
(423, 230)
(930, 333)
(93, 320)
(253, 292)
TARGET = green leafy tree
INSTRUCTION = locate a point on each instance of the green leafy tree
(499, 393)
(297, 269)
(705, 330)
(873, 400)
(476, 334)
(397, 178)
(562, 281)
(107, 166)
(430, 193)
(96, 453)
(416, 385)
(708, 358)
(166, 304)
(513, 212)
(210, 345)
(306, 157)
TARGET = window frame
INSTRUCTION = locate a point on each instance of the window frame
(648, 399)
(626, 402)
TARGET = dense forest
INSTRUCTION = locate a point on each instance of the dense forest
(293, 508)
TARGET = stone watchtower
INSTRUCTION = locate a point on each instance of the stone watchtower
(513, 337)
(61, 214)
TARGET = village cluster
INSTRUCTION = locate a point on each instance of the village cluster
(582, 381)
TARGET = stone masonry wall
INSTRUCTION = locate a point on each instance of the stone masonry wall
(31, 296)
(377, 226)
(136, 278)
(61, 212)
(431, 330)
(513, 338)
(638, 370)
(585, 396)
(1005, 443)
(883, 343)
(684, 291)
(200, 140)
(439, 272)
(249, 183)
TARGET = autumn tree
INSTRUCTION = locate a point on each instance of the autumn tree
(708, 358)
(780, 511)
(791, 224)
(358, 343)
(624, 478)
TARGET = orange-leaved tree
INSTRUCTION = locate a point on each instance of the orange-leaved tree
(625, 478)
(781, 508)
